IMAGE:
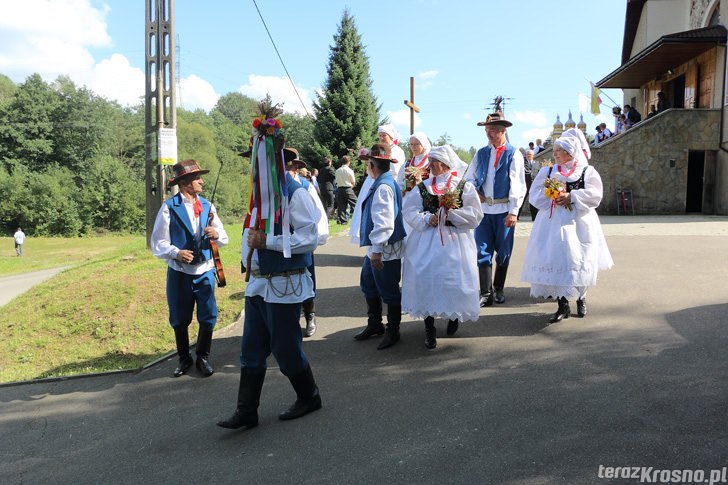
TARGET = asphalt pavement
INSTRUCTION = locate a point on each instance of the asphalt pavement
(640, 382)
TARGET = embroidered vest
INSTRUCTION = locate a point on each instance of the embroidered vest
(502, 181)
(367, 224)
(271, 261)
(181, 232)
(576, 184)
(431, 202)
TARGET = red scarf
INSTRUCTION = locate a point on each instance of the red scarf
(197, 207)
(498, 151)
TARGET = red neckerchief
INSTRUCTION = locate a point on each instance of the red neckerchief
(498, 151)
(197, 207)
(567, 175)
(437, 191)
(422, 162)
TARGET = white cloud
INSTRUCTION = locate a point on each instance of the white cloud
(116, 79)
(426, 78)
(196, 93)
(467, 116)
(280, 89)
(534, 133)
(50, 37)
(537, 118)
(401, 120)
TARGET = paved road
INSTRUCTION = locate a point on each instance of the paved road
(12, 286)
(640, 382)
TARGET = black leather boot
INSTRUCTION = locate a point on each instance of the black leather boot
(391, 336)
(246, 413)
(308, 400)
(563, 312)
(581, 307)
(204, 342)
(374, 320)
(499, 282)
(430, 333)
(485, 275)
(309, 314)
(452, 327)
(182, 340)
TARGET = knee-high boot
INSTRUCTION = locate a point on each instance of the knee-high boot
(485, 274)
(308, 397)
(499, 282)
(430, 333)
(204, 342)
(182, 341)
(374, 320)
(394, 316)
(246, 413)
(309, 314)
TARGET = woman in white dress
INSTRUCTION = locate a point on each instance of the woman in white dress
(440, 268)
(567, 248)
(419, 146)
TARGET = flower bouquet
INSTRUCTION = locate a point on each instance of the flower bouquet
(413, 176)
(553, 189)
(451, 199)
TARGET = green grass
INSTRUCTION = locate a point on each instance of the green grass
(108, 312)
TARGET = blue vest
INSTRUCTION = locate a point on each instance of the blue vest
(502, 181)
(182, 234)
(367, 225)
(273, 261)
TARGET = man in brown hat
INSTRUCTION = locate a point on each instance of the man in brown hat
(382, 232)
(184, 226)
(498, 174)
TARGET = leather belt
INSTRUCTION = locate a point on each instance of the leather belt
(492, 201)
(258, 274)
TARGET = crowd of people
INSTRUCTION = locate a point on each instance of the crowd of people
(438, 234)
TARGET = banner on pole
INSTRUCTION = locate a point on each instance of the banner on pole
(167, 146)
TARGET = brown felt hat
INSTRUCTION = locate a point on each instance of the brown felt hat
(496, 119)
(379, 151)
(290, 156)
(183, 169)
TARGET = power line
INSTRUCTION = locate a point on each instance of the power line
(281, 59)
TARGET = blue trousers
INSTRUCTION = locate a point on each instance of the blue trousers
(382, 283)
(184, 291)
(492, 236)
(272, 328)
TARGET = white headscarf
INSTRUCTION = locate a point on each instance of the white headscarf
(390, 130)
(447, 155)
(421, 137)
(573, 142)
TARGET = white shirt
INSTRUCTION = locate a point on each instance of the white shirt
(19, 237)
(397, 169)
(516, 176)
(161, 241)
(323, 222)
(345, 177)
(383, 215)
(304, 239)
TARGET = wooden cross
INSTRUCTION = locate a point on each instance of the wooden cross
(411, 105)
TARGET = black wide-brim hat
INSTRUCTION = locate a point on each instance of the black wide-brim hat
(183, 169)
(496, 119)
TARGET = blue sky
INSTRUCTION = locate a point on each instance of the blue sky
(462, 54)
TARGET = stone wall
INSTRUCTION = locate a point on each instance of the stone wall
(651, 159)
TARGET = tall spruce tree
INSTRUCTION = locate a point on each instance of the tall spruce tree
(346, 113)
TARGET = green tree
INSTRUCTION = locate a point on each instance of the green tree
(299, 133)
(238, 108)
(346, 112)
(7, 88)
(26, 125)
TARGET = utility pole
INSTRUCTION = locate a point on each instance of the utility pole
(160, 109)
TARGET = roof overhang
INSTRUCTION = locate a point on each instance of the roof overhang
(666, 53)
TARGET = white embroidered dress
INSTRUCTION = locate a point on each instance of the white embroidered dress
(440, 273)
(566, 248)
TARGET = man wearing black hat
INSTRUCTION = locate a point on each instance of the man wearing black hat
(382, 232)
(184, 226)
(497, 171)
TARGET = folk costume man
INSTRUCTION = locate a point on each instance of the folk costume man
(497, 173)
(294, 165)
(382, 233)
(279, 236)
(181, 235)
(389, 137)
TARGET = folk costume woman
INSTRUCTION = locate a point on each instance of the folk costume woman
(441, 265)
(416, 169)
(567, 248)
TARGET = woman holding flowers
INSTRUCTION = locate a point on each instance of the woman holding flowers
(441, 263)
(567, 246)
(417, 168)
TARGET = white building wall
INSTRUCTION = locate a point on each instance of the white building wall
(660, 17)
